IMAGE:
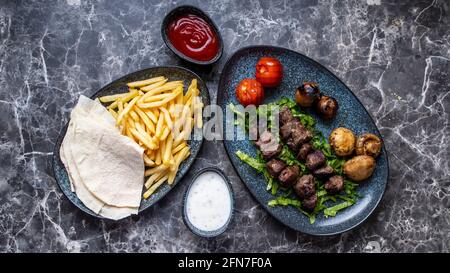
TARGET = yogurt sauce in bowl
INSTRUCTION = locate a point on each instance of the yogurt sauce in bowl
(208, 203)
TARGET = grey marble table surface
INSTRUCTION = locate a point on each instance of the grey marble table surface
(395, 56)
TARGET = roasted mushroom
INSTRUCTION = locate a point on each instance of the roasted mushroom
(360, 167)
(343, 141)
(327, 107)
(368, 144)
(307, 94)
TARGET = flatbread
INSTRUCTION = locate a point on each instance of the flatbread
(94, 110)
(63, 155)
(116, 213)
(85, 106)
(91, 114)
(110, 165)
(82, 192)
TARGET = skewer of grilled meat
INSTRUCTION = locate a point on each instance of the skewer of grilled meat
(297, 137)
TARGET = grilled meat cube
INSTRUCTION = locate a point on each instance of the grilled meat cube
(314, 160)
(304, 135)
(323, 172)
(305, 186)
(268, 145)
(298, 136)
(310, 202)
(305, 149)
(275, 166)
(271, 150)
(285, 115)
(264, 138)
(335, 184)
(293, 144)
(286, 129)
(289, 175)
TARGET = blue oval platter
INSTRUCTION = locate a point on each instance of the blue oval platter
(298, 68)
(173, 73)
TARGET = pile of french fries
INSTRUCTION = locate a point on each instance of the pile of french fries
(159, 116)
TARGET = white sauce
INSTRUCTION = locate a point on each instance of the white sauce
(208, 204)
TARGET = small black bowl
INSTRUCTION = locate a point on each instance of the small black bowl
(196, 231)
(182, 10)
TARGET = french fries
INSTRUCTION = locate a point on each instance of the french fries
(158, 116)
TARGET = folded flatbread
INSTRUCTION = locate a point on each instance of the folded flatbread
(106, 169)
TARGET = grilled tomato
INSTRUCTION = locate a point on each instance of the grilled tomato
(269, 71)
(250, 91)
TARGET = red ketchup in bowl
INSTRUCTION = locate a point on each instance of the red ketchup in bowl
(194, 37)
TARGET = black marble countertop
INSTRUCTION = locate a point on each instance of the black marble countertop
(395, 56)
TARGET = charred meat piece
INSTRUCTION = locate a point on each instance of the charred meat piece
(314, 160)
(268, 145)
(287, 129)
(299, 135)
(275, 166)
(305, 149)
(335, 184)
(270, 150)
(265, 138)
(305, 186)
(323, 172)
(289, 175)
(310, 202)
(285, 115)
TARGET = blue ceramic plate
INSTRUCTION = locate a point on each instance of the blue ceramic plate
(119, 86)
(351, 114)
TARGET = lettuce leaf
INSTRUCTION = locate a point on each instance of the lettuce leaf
(284, 201)
(331, 211)
(255, 163)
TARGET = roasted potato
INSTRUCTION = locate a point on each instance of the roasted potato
(359, 167)
(343, 141)
(368, 144)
